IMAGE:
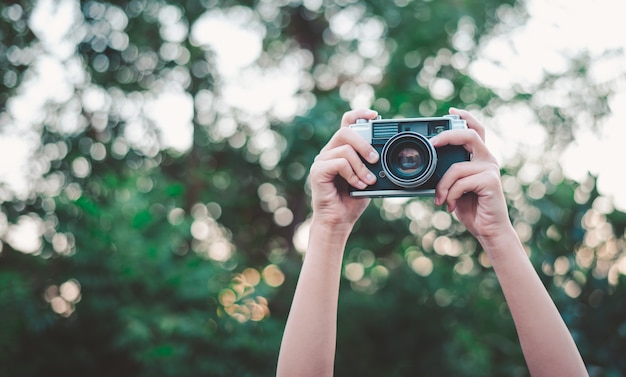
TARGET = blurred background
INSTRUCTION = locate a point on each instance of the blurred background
(153, 195)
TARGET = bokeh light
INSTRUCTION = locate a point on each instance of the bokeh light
(177, 137)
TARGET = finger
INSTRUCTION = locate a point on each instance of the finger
(457, 191)
(470, 120)
(325, 171)
(480, 184)
(457, 172)
(346, 136)
(468, 138)
(350, 117)
(356, 164)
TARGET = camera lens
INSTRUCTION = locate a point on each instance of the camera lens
(409, 159)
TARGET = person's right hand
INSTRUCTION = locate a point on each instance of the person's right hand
(337, 166)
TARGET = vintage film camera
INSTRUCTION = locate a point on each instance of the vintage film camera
(409, 165)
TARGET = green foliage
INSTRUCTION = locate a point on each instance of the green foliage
(158, 261)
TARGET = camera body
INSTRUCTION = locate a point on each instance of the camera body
(409, 165)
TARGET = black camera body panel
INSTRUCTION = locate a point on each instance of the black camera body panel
(408, 174)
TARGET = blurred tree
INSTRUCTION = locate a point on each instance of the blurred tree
(157, 227)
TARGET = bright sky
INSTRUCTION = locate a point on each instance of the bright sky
(557, 28)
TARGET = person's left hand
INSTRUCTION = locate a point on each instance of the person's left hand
(472, 189)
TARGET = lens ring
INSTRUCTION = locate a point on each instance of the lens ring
(409, 159)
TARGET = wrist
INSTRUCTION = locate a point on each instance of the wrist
(328, 238)
(502, 242)
(329, 229)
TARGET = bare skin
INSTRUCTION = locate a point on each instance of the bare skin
(472, 190)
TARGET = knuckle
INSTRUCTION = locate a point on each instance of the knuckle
(455, 169)
(315, 168)
(492, 165)
(495, 170)
(345, 134)
(345, 164)
(325, 154)
(473, 134)
(342, 131)
(348, 152)
(344, 149)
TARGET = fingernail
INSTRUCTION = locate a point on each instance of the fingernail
(373, 157)
(361, 185)
(370, 177)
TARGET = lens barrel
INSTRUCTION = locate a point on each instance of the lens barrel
(409, 159)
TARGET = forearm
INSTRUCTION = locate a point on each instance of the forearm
(309, 340)
(547, 345)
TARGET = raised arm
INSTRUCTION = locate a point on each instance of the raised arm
(309, 340)
(472, 190)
